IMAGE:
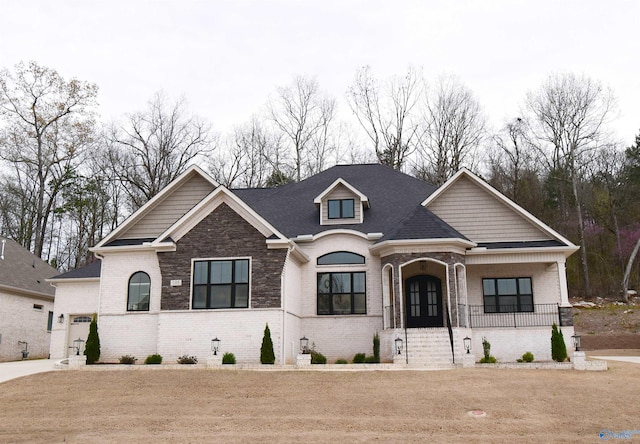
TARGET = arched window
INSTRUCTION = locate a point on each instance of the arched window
(139, 292)
(340, 257)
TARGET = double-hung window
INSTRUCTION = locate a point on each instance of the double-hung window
(341, 208)
(221, 283)
(507, 295)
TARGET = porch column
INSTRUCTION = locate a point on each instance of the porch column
(462, 298)
(562, 281)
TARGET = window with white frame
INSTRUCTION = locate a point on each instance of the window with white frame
(220, 283)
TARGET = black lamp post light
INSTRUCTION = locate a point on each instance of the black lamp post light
(60, 319)
(467, 344)
(304, 345)
(77, 344)
(398, 342)
(575, 339)
(215, 346)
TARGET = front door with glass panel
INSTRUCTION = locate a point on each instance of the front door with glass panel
(423, 302)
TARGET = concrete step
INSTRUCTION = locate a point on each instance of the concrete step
(429, 348)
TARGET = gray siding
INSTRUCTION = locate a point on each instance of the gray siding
(481, 217)
(172, 208)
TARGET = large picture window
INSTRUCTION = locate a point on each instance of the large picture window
(342, 293)
(507, 295)
(341, 209)
(139, 292)
(221, 284)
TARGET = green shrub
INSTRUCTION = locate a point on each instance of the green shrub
(228, 358)
(486, 347)
(342, 361)
(153, 359)
(371, 360)
(317, 358)
(92, 347)
(558, 347)
(376, 347)
(127, 359)
(527, 357)
(267, 356)
(359, 358)
(186, 359)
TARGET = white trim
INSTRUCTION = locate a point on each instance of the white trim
(455, 243)
(502, 198)
(145, 246)
(483, 251)
(54, 281)
(315, 237)
(207, 205)
(340, 181)
(177, 182)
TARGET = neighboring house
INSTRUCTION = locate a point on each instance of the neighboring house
(26, 303)
(337, 257)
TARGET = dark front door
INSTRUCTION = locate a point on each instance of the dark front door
(424, 302)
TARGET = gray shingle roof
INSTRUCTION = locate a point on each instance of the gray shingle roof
(423, 224)
(21, 269)
(392, 195)
(91, 270)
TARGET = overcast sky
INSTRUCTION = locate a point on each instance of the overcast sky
(226, 57)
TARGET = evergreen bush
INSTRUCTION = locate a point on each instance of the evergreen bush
(342, 361)
(487, 358)
(228, 358)
(527, 357)
(371, 360)
(376, 347)
(267, 356)
(318, 358)
(153, 359)
(92, 347)
(558, 347)
(359, 358)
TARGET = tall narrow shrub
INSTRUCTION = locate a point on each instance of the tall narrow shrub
(92, 347)
(376, 347)
(267, 356)
(558, 347)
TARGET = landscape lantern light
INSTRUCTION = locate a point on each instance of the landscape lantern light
(398, 342)
(304, 345)
(60, 319)
(576, 342)
(215, 346)
(467, 344)
(77, 344)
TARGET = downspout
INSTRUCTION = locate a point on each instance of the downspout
(283, 358)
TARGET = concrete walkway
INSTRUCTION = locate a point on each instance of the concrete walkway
(17, 369)
(634, 359)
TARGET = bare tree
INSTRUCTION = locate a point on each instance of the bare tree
(453, 129)
(47, 123)
(387, 113)
(249, 157)
(153, 147)
(303, 114)
(568, 118)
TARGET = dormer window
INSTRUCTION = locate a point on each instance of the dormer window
(341, 208)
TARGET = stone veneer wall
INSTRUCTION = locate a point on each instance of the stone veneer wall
(222, 234)
(399, 259)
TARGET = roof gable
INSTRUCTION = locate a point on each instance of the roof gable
(163, 210)
(484, 215)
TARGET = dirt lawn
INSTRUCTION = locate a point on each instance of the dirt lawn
(199, 405)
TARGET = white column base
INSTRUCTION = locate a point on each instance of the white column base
(214, 361)
(303, 360)
(468, 360)
(399, 359)
(77, 361)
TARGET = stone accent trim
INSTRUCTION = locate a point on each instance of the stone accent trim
(223, 233)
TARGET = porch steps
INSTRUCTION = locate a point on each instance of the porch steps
(429, 347)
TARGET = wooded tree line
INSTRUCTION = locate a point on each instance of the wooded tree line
(68, 178)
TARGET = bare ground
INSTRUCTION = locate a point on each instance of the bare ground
(608, 325)
(197, 405)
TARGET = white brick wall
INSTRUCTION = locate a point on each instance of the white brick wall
(19, 321)
(72, 297)
(116, 271)
(341, 336)
(544, 279)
